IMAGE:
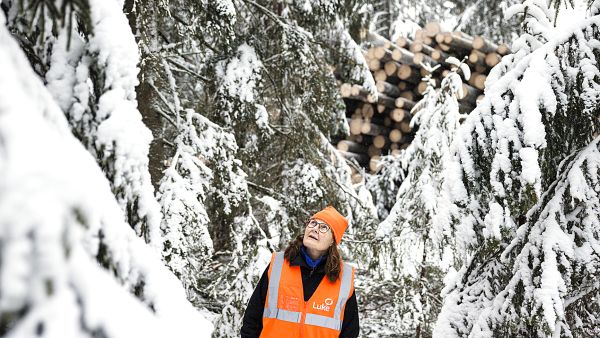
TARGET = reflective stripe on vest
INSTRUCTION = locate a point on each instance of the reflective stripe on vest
(344, 291)
(324, 321)
(285, 315)
(271, 311)
(274, 286)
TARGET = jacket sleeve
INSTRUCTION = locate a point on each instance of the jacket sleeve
(252, 323)
(350, 328)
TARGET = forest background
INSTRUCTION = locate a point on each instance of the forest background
(154, 153)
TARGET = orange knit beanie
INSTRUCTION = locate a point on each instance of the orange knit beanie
(335, 220)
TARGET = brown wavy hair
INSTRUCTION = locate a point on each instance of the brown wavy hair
(333, 265)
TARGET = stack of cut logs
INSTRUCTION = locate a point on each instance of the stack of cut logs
(381, 125)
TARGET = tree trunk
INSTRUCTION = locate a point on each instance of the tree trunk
(139, 13)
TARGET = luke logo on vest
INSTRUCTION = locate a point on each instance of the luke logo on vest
(325, 306)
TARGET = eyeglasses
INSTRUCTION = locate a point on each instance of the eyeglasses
(323, 227)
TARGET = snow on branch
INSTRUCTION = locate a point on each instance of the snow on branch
(94, 82)
(515, 126)
(58, 215)
(361, 71)
(554, 259)
(540, 107)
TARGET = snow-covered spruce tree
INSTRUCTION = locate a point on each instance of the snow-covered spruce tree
(413, 255)
(554, 261)
(475, 17)
(300, 94)
(178, 41)
(203, 192)
(236, 107)
(486, 18)
(541, 105)
(69, 65)
(58, 218)
(385, 184)
(183, 189)
(88, 57)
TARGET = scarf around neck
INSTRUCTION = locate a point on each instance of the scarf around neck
(312, 263)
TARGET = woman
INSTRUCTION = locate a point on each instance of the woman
(306, 291)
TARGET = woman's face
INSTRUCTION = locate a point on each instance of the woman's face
(315, 239)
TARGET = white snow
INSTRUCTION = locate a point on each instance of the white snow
(512, 129)
(241, 75)
(360, 72)
(57, 213)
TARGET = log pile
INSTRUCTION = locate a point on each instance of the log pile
(380, 125)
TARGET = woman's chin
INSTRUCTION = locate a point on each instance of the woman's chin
(310, 243)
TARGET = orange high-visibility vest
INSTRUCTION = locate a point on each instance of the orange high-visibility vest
(286, 314)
